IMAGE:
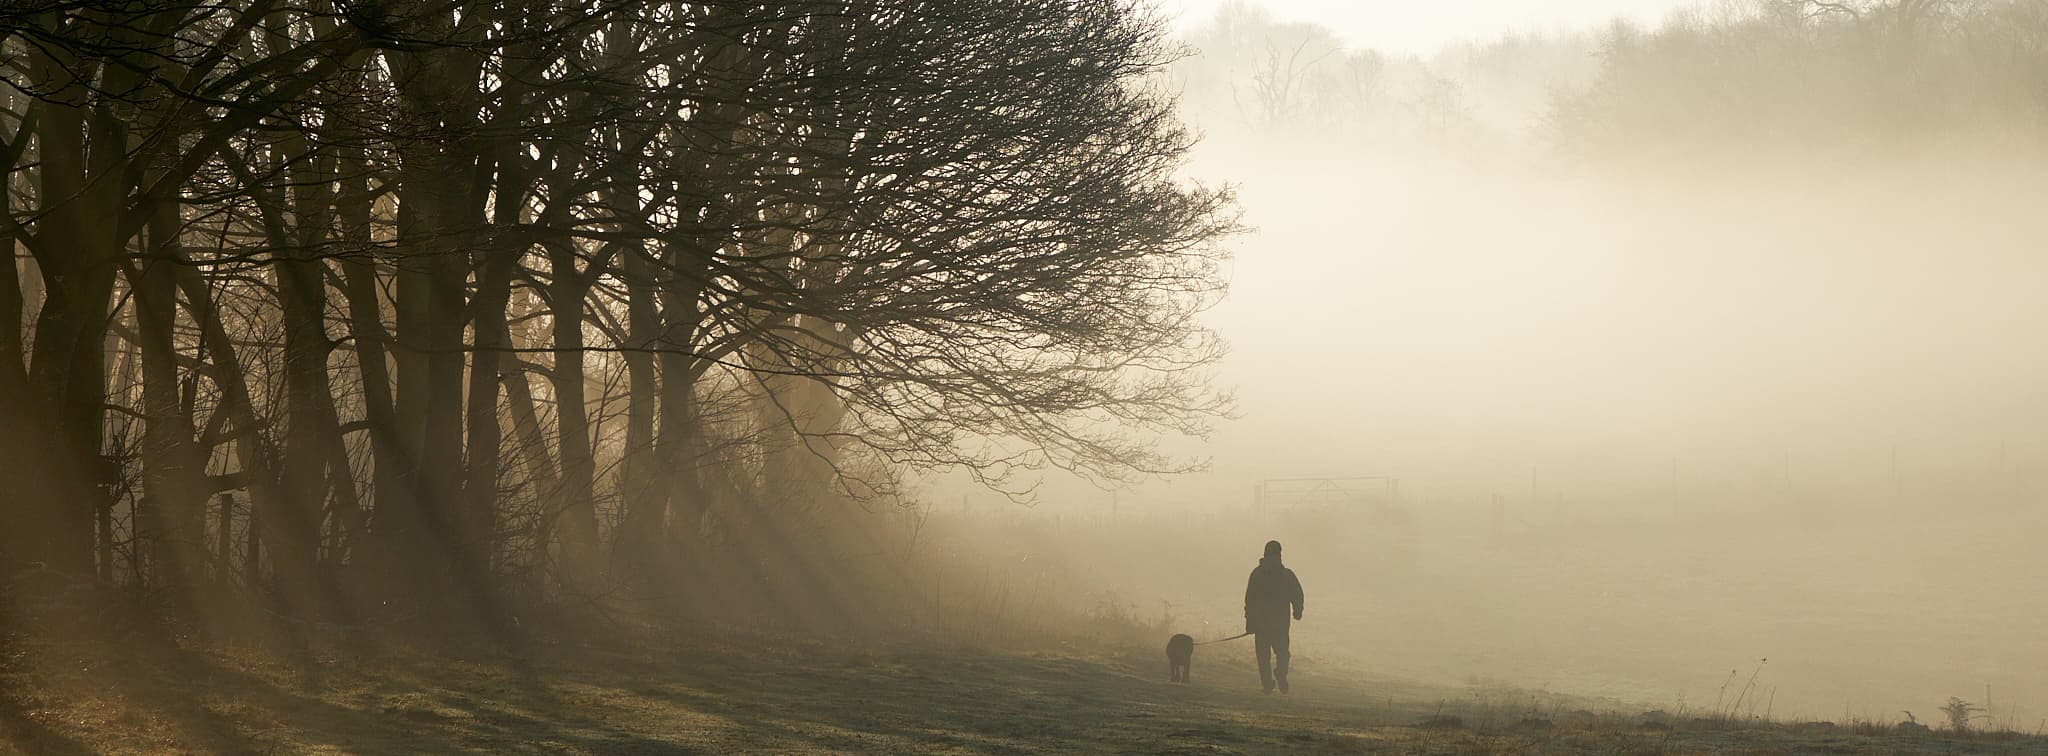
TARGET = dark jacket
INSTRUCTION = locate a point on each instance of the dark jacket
(1271, 597)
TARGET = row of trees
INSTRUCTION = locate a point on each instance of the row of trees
(1764, 74)
(352, 304)
(1258, 77)
(1801, 75)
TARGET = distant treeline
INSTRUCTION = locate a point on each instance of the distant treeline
(1769, 75)
(352, 311)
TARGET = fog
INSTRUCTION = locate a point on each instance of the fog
(1421, 28)
(1729, 381)
(655, 376)
(1463, 327)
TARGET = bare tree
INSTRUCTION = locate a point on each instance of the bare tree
(453, 292)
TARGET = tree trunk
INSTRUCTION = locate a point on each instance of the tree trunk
(438, 207)
(67, 367)
(646, 503)
(575, 505)
(390, 456)
(542, 479)
(292, 531)
(16, 424)
(174, 470)
(486, 436)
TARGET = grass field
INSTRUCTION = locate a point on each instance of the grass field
(725, 695)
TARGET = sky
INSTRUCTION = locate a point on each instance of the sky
(1422, 26)
(1473, 320)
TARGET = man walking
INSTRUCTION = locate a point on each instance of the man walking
(1268, 596)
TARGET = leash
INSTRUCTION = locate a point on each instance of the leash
(1220, 640)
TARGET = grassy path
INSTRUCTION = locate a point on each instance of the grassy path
(721, 697)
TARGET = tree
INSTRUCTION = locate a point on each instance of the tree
(457, 292)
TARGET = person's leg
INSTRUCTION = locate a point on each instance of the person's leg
(1261, 641)
(1280, 657)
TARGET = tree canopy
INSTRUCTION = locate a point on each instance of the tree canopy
(403, 308)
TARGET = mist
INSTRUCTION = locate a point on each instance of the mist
(1639, 407)
(896, 375)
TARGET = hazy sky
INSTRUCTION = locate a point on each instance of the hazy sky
(1423, 25)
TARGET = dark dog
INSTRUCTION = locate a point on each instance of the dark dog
(1180, 657)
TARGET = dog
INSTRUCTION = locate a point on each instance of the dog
(1180, 657)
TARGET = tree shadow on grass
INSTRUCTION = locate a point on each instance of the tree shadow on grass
(213, 704)
(19, 729)
(718, 699)
(19, 725)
